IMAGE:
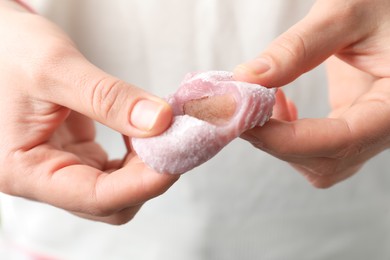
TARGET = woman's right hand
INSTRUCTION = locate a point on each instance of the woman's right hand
(49, 97)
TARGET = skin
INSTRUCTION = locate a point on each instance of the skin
(353, 37)
(50, 95)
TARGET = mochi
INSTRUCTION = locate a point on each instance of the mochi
(210, 110)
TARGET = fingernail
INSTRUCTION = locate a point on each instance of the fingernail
(256, 67)
(145, 114)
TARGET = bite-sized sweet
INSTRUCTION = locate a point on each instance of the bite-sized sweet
(210, 110)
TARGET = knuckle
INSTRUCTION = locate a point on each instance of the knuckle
(99, 210)
(119, 220)
(103, 96)
(321, 181)
(350, 150)
(97, 206)
(322, 174)
(322, 184)
(348, 145)
(289, 145)
(293, 45)
(113, 216)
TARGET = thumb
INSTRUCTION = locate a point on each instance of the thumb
(328, 27)
(119, 105)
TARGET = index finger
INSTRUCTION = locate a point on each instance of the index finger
(84, 189)
(301, 138)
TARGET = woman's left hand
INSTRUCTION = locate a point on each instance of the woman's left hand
(354, 37)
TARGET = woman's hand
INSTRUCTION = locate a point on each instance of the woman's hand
(355, 34)
(49, 96)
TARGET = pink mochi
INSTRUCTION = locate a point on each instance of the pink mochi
(190, 141)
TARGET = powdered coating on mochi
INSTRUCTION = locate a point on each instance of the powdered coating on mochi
(190, 141)
(179, 146)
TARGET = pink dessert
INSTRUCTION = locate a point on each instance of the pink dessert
(210, 110)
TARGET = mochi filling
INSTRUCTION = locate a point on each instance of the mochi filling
(210, 110)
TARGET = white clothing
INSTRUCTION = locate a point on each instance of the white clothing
(242, 204)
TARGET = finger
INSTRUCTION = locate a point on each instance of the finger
(303, 138)
(102, 97)
(89, 153)
(81, 129)
(127, 187)
(127, 143)
(283, 109)
(62, 181)
(112, 165)
(118, 218)
(328, 179)
(292, 108)
(362, 131)
(306, 44)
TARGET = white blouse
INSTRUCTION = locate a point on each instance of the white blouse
(242, 204)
